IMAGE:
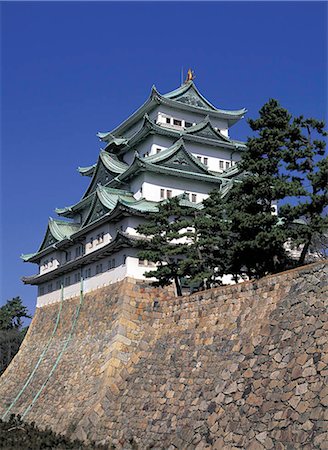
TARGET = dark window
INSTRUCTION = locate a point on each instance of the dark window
(41, 290)
(199, 157)
(168, 193)
(50, 287)
(188, 124)
(194, 198)
(124, 259)
(168, 120)
(67, 281)
(58, 285)
(68, 256)
(221, 164)
(98, 268)
(158, 150)
(205, 161)
(162, 193)
(177, 122)
(227, 165)
(113, 262)
(77, 277)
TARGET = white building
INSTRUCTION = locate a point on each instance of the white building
(174, 144)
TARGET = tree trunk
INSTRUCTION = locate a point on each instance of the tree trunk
(177, 286)
(305, 249)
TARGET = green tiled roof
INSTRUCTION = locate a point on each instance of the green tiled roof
(113, 164)
(203, 132)
(110, 138)
(141, 205)
(187, 97)
(57, 230)
(61, 230)
(87, 171)
(175, 161)
(121, 240)
(27, 256)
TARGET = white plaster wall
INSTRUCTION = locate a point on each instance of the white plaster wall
(51, 265)
(220, 124)
(153, 183)
(93, 234)
(130, 268)
(149, 146)
(214, 155)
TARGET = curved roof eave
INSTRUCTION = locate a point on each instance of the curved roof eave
(86, 171)
(151, 101)
(156, 98)
(113, 165)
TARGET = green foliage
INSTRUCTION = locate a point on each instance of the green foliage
(258, 246)
(165, 245)
(208, 254)
(11, 331)
(306, 161)
(11, 314)
(17, 435)
(240, 235)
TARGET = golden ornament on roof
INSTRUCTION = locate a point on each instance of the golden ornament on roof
(190, 76)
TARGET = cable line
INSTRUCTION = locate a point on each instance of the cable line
(40, 358)
(77, 312)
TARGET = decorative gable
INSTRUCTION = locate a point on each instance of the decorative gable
(97, 210)
(101, 176)
(47, 241)
(192, 99)
(181, 160)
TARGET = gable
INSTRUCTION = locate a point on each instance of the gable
(193, 99)
(47, 241)
(208, 133)
(101, 176)
(181, 160)
(97, 210)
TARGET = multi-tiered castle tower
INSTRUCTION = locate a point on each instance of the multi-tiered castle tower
(176, 144)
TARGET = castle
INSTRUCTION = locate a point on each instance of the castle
(176, 144)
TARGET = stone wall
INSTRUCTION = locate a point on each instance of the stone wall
(242, 366)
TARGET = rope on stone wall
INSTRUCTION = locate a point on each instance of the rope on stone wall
(27, 382)
(77, 312)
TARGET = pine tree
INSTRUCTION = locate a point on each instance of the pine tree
(11, 331)
(258, 246)
(166, 243)
(305, 159)
(208, 255)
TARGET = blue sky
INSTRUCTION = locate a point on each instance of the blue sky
(70, 69)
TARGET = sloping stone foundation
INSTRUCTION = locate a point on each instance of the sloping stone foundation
(242, 366)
